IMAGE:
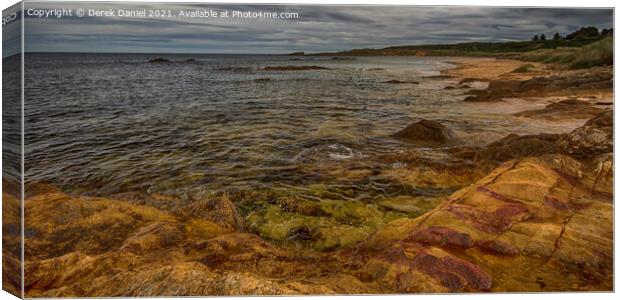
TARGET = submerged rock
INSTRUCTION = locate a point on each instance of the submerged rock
(441, 76)
(219, 210)
(515, 146)
(323, 225)
(294, 68)
(236, 69)
(496, 91)
(532, 224)
(426, 132)
(470, 80)
(570, 108)
(400, 82)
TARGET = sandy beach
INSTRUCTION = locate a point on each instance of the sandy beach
(569, 94)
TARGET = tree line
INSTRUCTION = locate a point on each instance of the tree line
(583, 33)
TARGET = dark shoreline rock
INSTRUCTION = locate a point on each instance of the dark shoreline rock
(159, 60)
(236, 69)
(442, 76)
(426, 132)
(593, 139)
(496, 91)
(294, 68)
(393, 81)
(470, 79)
(556, 85)
(570, 108)
(515, 146)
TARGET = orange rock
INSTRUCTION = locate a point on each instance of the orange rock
(534, 224)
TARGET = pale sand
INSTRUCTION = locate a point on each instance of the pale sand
(490, 69)
(493, 69)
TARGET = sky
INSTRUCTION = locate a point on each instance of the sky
(318, 28)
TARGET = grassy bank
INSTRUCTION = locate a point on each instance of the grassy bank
(579, 53)
(599, 53)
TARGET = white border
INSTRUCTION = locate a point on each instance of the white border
(510, 3)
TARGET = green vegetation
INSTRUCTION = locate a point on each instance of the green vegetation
(502, 47)
(584, 48)
(599, 53)
(586, 32)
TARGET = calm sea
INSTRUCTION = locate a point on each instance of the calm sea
(104, 123)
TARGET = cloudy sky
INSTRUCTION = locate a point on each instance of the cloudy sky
(318, 28)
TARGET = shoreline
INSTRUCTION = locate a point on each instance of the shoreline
(566, 94)
(472, 234)
(461, 241)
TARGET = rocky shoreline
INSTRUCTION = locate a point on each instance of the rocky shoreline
(579, 94)
(525, 213)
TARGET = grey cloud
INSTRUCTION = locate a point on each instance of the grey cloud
(319, 28)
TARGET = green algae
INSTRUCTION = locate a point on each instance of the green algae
(336, 215)
(324, 224)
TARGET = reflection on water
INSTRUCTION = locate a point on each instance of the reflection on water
(112, 122)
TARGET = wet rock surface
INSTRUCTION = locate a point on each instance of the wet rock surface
(426, 132)
(570, 108)
(533, 224)
(523, 214)
(584, 143)
(568, 83)
(394, 81)
(540, 219)
(294, 68)
(515, 146)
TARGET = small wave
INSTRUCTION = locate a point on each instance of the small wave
(340, 152)
(340, 156)
(316, 151)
